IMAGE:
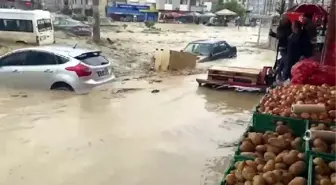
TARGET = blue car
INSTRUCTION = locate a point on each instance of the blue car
(208, 50)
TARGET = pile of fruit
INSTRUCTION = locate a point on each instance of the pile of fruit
(280, 99)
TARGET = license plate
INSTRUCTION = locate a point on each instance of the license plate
(103, 72)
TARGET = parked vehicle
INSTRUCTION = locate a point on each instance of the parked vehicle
(55, 68)
(72, 26)
(26, 26)
(211, 49)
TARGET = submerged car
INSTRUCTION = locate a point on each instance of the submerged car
(208, 50)
(55, 68)
(72, 26)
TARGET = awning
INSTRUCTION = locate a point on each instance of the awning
(122, 11)
(225, 12)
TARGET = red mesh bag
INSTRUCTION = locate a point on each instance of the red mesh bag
(304, 68)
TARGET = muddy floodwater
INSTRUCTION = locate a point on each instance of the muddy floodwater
(121, 134)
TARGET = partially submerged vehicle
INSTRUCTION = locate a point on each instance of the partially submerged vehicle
(71, 26)
(208, 50)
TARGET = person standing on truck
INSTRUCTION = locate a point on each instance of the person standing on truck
(283, 31)
(308, 35)
(294, 50)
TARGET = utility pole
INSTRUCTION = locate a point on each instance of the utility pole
(96, 21)
(290, 4)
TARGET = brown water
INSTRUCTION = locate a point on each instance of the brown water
(180, 135)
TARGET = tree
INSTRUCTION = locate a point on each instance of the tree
(232, 5)
(281, 7)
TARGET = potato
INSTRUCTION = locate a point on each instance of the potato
(279, 143)
(319, 161)
(239, 175)
(296, 143)
(282, 166)
(269, 155)
(298, 181)
(332, 165)
(297, 168)
(230, 179)
(290, 158)
(269, 166)
(278, 158)
(287, 177)
(251, 164)
(256, 138)
(301, 156)
(258, 180)
(248, 183)
(333, 178)
(260, 167)
(246, 146)
(282, 129)
(273, 149)
(319, 143)
(240, 165)
(248, 172)
(325, 181)
(269, 177)
(278, 174)
(259, 161)
(261, 148)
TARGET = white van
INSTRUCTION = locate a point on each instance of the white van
(26, 26)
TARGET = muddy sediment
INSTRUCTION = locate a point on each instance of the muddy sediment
(123, 133)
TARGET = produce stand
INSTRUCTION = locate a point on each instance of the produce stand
(277, 126)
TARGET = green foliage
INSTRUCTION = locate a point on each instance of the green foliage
(232, 5)
(149, 24)
(281, 7)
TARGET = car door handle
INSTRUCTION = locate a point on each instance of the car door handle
(48, 71)
(15, 71)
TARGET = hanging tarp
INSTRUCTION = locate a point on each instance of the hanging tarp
(225, 12)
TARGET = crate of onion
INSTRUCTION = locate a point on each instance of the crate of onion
(279, 100)
(269, 143)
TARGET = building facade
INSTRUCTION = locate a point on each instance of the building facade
(180, 5)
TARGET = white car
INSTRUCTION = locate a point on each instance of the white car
(55, 68)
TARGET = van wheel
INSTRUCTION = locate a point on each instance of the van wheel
(61, 86)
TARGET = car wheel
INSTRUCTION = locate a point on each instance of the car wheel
(61, 86)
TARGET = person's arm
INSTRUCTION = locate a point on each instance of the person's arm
(272, 33)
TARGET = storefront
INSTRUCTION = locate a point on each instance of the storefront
(131, 13)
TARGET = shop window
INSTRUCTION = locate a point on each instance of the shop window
(184, 2)
(169, 1)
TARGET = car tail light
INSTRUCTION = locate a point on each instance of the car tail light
(80, 70)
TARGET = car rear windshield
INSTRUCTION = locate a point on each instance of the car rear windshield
(44, 25)
(93, 59)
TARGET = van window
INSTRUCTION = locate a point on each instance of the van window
(16, 25)
(44, 25)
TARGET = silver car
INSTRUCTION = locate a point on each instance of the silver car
(55, 68)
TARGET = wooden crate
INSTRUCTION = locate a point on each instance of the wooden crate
(234, 74)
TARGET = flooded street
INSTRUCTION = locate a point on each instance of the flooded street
(157, 129)
(176, 136)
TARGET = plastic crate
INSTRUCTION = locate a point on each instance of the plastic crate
(264, 122)
(308, 144)
(254, 129)
(311, 171)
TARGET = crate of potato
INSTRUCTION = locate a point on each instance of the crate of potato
(287, 168)
(321, 170)
(322, 143)
(263, 122)
(269, 144)
(279, 100)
